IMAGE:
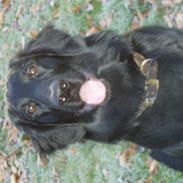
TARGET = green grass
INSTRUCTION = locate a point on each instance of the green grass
(91, 160)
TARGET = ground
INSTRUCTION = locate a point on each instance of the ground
(89, 162)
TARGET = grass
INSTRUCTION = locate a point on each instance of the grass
(90, 162)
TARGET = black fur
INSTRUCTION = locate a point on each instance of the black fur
(106, 55)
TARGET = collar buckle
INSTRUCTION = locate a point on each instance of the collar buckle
(149, 69)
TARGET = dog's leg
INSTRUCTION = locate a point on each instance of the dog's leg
(156, 39)
(169, 160)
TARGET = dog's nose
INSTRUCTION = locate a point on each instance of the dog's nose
(57, 89)
(67, 91)
(64, 90)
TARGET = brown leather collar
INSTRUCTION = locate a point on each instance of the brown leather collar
(148, 68)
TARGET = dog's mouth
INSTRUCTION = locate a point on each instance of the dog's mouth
(90, 92)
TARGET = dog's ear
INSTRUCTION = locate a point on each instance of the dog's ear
(51, 41)
(50, 139)
(112, 44)
(54, 39)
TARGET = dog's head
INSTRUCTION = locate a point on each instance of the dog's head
(47, 86)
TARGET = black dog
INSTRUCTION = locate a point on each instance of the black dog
(105, 87)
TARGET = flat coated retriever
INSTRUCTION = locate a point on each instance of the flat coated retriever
(105, 87)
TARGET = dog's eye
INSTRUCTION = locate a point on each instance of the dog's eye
(63, 85)
(32, 71)
(30, 109)
(62, 99)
